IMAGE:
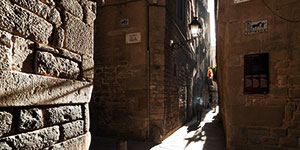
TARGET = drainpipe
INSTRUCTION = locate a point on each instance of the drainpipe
(148, 59)
(148, 69)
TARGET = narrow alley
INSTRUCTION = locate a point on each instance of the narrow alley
(135, 74)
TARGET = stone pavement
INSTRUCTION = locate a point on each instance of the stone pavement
(206, 135)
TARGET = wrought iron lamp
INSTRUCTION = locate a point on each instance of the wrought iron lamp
(195, 28)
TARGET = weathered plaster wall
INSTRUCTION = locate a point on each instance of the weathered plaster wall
(260, 121)
(46, 73)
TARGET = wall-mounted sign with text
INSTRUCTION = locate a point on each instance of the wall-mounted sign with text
(253, 27)
(240, 1)
(133, 38)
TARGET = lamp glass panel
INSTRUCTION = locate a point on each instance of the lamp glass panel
(194, 30)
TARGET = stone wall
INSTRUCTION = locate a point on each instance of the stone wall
(119, 102)
(260, 121)
(46, 73)
(142, 90)
(180, 64)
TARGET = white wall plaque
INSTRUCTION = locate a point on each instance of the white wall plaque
(132, 38)
(240, 1)
(253, 27)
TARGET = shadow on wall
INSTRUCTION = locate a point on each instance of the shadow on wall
(19, 89)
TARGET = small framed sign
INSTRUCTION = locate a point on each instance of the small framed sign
(253, 27)
(124, 22)
(256, 73)
(133, 38)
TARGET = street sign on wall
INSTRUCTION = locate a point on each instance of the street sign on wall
(133, 38)
(253, 27)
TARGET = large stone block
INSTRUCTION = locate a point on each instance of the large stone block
(63, 114)
(47, 48)
(278, 92)
(88, 67)
(5, 49)
(294, 80)
(38, 139)
(7, 15)
(78, 143)
(278, 132)
(59, 37)
(16, 19)
(6, 120)
(294, 92)
(73, 7)
(297, 116)
(48, 64)
(86, 112)
(79, 36)
(43, 10)
(89, 12)
(294, 132)
(50, 2)
(72, 129)
(70, 55)
(288, 142)
(4, 146)
(256, 116)
(257, 131)
(22, 54)
(31, 119)
(19, 89)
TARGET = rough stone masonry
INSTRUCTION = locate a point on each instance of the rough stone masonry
(46, 73)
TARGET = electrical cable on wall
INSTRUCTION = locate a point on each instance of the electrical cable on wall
(274, 13)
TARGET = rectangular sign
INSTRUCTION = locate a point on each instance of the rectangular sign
(256, 73)
(253, 27)
(124, 22)
(133, 38)
(240, 1)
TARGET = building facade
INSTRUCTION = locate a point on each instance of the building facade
(46, 73)
(143, 84)
(258, 73)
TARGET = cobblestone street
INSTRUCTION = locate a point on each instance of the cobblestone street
(206, 135)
